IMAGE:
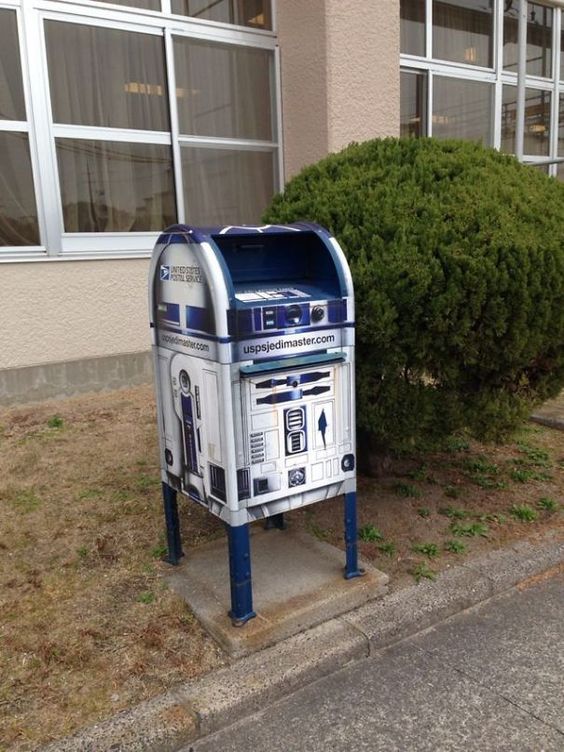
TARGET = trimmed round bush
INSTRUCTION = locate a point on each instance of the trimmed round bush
(457, 255)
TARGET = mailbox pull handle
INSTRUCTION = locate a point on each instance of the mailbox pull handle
(304, 378)
(295, 394)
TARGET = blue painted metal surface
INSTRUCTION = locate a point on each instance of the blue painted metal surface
(172, 525)
(351, 567)
(240, 575)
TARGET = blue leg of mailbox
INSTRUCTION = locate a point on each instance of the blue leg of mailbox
(240, 574)
(351, 568)
(172, 525)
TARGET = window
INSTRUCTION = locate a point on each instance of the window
(471, 76)
(412, 97)
(463, 31)
(18, 213)
(462, 109)
(254, 13)
(146, 114)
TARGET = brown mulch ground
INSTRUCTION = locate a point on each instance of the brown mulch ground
(87, 625)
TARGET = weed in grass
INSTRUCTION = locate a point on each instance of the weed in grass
(55, 422)
(522, 475)
(406, 490)
(369, 534)
(453, 513)
(158, 551)
(314, 529)
(498, 519)
(90, 493)
(388, 548)
(26, 501)
(423, 570)
(82, 552)
(456, 444)
(452, 492)
(146, 597)
(143, 482)
(523, 512)
(431, 550)
(469, 529)
(484, 482)
(535, 456)
(479, 465)
(420, 474)
(455, 547)
(424, 512)
(549, 505)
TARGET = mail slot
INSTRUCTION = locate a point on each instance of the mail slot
(253, 345)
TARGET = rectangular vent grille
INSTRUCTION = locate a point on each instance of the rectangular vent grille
(217, 481)
(296, 442)
(243, 483)
(295, 419)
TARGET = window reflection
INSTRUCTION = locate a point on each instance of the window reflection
(115, 187)
(18, 215)
(463, 31)
(539, 38)
(225, 186)
(537, 121)
(462, 109)
(254, 13)
(412, 27)
(413, 92)
(12, 106)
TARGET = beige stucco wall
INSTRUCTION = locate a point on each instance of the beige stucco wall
(340, 75)
(65, 310)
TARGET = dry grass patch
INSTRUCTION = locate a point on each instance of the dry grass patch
(88, 627)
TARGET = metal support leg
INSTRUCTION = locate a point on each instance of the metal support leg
(351, 568)
(172, 525)
(276, 521)
(240, 574)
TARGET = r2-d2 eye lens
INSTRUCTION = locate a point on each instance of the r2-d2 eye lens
(184, 382)
(293, 315)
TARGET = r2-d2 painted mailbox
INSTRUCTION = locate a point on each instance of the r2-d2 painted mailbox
(253, 342)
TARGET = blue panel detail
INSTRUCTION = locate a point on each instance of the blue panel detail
(337, 311)
(217, 482)
(244, 322)
(257, 313)
(199, 319)
(295, 430)
(170, 313)
(190, 450)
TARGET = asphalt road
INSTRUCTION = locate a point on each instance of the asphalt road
(491, 678)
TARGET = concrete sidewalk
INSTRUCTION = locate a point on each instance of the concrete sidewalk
(490, 679)
(202, 707)
(551, 413)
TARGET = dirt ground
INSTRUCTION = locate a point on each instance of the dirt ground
(87, 625)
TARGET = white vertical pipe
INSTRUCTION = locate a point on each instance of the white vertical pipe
(521, 77)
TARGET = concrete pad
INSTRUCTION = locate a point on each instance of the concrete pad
(297, 583)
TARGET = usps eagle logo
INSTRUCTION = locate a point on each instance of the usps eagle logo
(165, 273)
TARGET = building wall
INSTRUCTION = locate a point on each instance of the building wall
(340, 82)
(340, 75)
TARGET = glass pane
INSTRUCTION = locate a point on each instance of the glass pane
(145, 4)
(412, 26)
(224, 186)
(12, 106)
(462, 109)
(255, 13)
(537, 121)
(463, 31)
(106, 77)
(115, 187)
(412, 99)
(539, 39)
(223, 90)
(18, 213)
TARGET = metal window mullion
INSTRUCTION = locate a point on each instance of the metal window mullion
(14, 126)
(429, 29)
(212, 142)
(498, 68)
(47, 184)
(429, 123)
(555, 102)
(100, 133)
(174, 126)
(166, 7)
(277, 102)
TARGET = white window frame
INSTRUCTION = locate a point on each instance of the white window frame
(495, 75)
(32, 14)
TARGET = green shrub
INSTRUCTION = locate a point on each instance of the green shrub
(457, 254)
